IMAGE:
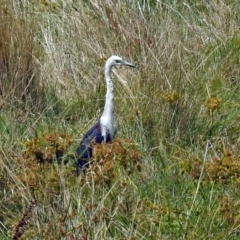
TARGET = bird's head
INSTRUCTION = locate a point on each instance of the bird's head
(115, 60)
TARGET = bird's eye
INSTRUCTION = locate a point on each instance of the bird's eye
(117, 61)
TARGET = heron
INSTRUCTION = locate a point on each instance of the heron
(105, 129)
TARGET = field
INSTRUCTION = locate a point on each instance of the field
(173, 172)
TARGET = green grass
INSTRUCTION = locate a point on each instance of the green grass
(173, 171)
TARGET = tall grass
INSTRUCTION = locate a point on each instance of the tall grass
(173, 171)
(20, 80)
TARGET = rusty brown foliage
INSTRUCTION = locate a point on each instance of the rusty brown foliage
(110, 158)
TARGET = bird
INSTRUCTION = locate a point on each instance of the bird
(105, 129)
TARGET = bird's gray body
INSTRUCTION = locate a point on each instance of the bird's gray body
(105, 129)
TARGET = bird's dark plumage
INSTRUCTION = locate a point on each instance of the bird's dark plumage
(84, 151)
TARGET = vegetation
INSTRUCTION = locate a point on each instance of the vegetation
(173, 172)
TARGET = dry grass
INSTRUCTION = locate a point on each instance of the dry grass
(20, 72)
(177, 178)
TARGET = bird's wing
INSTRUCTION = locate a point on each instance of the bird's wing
(84, 150)
(93, 135)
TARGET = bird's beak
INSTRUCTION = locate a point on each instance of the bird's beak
(129, 64)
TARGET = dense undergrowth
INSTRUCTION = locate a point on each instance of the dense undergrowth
(173, 172)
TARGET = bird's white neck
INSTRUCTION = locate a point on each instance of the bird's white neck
(110, 91)
(108, 117)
